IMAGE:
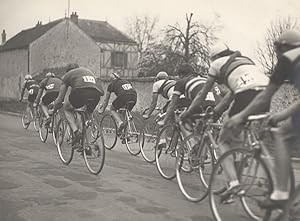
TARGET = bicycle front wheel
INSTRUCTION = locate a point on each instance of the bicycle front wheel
(64, 141)
(25, 119)
(108, 127)
(93, 150)
(134, 136)
(43, 131)
(188, 169)
(165, 151)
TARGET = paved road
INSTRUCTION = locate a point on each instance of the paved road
(35, 185)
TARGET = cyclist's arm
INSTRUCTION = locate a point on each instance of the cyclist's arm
(224, 103)
(100, 87)
(261, 101)
(106, 100)
(23, 90)
(62, 92)
(153, 103)
(287, 112)
(201, 96)
(172, 107)
(38, 97)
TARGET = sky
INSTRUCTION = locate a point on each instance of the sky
(244, 21)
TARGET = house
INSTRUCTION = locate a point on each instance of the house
(93, 44)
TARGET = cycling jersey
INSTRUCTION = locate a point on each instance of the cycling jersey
(80, 78)
(164, 87)
(120, 87)
(31, 86)
(191, 85)
(239, 75)
(51, 84)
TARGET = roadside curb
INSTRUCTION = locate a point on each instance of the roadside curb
(11, 113)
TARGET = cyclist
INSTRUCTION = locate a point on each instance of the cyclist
(85, 90)
(245, 81)
(164, 87)
(125, 93)
(287, 68)
(32, 88)
(51, 85)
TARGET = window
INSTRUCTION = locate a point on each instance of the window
(118, 59)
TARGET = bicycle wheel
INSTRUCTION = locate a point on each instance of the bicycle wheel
(151, 130)
(255, 183)
(188, 169)
(108, 127)
(93, 150)
(25, 119)
(134, 136)
(43, 131)
(54, 122)
(165, 151)
(64, 141)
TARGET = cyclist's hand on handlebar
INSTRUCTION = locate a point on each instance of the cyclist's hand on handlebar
(234, 122)
(274, 119)
(145, 116)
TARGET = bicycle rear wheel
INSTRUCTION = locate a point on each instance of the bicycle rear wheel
(54, 123)
(108, 127)
(43, 131)
(165, 151)
(25, 119)
(188, 169)
(134, 136)
(93, 150)
(151, 130)
(64, 141)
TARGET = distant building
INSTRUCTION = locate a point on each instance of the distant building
(93, 44)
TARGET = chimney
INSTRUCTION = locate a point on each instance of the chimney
(74, 17)
(3, 37)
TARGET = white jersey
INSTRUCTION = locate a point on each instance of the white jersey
(164, 87)
(240, 76)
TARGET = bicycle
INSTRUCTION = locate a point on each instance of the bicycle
(151, 130)
(45, 130)
(28, 117)
(198, 154)
(132, 135)
(254, 166)
(90, 146)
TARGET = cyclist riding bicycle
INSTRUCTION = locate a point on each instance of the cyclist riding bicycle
(85, 90)
(32, 88)
(245, 81)
(126, 95)
(51, 85)
(163, 86)
(287, 48)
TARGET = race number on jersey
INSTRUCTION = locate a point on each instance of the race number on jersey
(50, 86)
(127, 87)
(89, 79)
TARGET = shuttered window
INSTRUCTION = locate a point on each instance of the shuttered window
(119, 59)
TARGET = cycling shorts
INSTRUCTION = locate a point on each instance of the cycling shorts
(31, 97)
(49, 97)
(84, 96)
(123, 99)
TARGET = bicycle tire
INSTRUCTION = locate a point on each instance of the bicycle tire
(54, 123)
(166, 157)
(188, 171)
(64, 141)
(134, 136)
(24, 119)
(108, 126)
(43, 131)
(93, 151)
(150, 132)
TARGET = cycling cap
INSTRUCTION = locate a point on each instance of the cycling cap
(162, 75)
(49, 74)
(289, 37)
(217, 49)
(28, 77)
(115, 75)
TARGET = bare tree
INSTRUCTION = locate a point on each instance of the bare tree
(142, 30)
(192, 42)
(266, 51)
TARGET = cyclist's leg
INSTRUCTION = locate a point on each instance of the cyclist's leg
(116, 105)
(93, 96)
(31, 99)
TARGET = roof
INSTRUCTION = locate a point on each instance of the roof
(99, 31)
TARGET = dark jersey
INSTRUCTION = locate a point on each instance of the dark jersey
(121, 86)
(80, 78)
(288, 68)
(191, 85)
(51, 84)
(32, 86)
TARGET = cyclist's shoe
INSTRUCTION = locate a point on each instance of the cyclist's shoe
(161, 146)
(88, 151)
(272, 204)
(76, 137)
(121, 128)
(48, 122)
(228, 196)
